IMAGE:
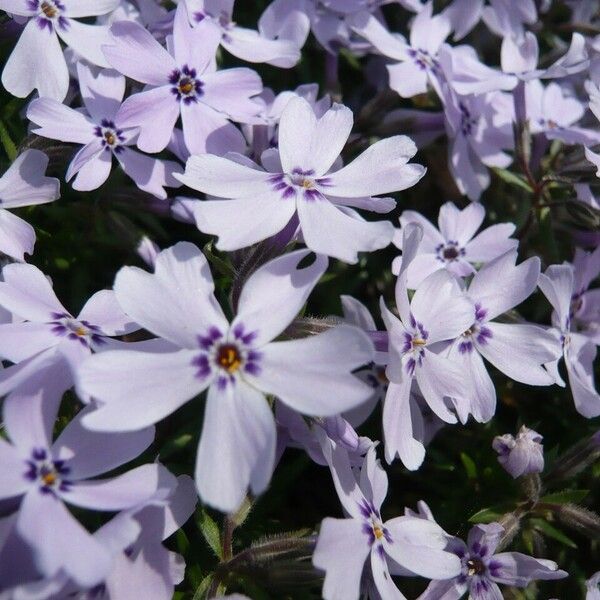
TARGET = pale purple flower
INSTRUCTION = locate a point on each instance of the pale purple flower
(236, 361)
(519, 350)
(47, 343)
(274, 43)
(48, 475)
(554, 111)
(141, 565)
(438, 311)
(585, 303)
(558, 285)
(362, 549)
(416, 65)
(454, 246)
(23, 184)
(37, 61)
(479, 130)
(183, 81)
(102, 134)
(522, 454)
(298, 183)
(483, 570)
(519, 59)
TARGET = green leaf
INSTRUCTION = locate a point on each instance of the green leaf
(222, 266)
(513, 179)
(469, 465)
(202, 589)
(176, 445)
(7, 143)
(210, 531)
(549, 530)
(565, 497)
(492, 513)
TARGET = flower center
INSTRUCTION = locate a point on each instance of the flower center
(185, 85)
(65, 325)
(449, 252)
(49, 9)
(475, 566)
(229, 358)
(111, 137)
(48, 473)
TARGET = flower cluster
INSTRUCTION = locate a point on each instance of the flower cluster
(181, 382)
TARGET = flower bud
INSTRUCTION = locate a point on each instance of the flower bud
(521, 455)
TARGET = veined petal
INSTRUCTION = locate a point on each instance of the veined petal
(341, 551)
(520, 350)
(380, 169)
(12, 472)
(237, 446)
(383, 581)
(306, 142)
(36, 63)
(89, 453)
(17, 237)
(137, 389)
(60, 542)
(24, 182)
(135, 53)
(150, 174)
(181, 290)
(26, 292)
(82, 8)
(59, 122)
(328, 230)
(124, 491)
(155, 112)
(313, 375)
(398, 428)
(274, 294)
(243, 222)
(87, 41)
(102, 91)
(223, 178)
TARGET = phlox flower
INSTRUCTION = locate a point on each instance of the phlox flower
(362, 549)
(519, 350)
(23, 184)
(48, 475)
(46, 342)
(297, 181)
(103, 135)
(141, 565)
(438, 311)
(455, 245)
(236, 361)
(554, 111)
(416, 65)
(482, 569)
(585, 304)
(274, 43)
(37, 61)
(593, 591)
(182, 81)
(558, 285)
(522, 454)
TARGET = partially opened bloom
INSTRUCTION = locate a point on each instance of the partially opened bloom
(438, 311)
(519, 350)
(482, 569)
(182, 81)
(48, 475)
(522, 454)
(103, 135)
(558, 285)
(273, 43)
(236, 361)
(593, 591)
(23, 184)
(297, 181)
(454, 246)
(362, 549)
(37, 61)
